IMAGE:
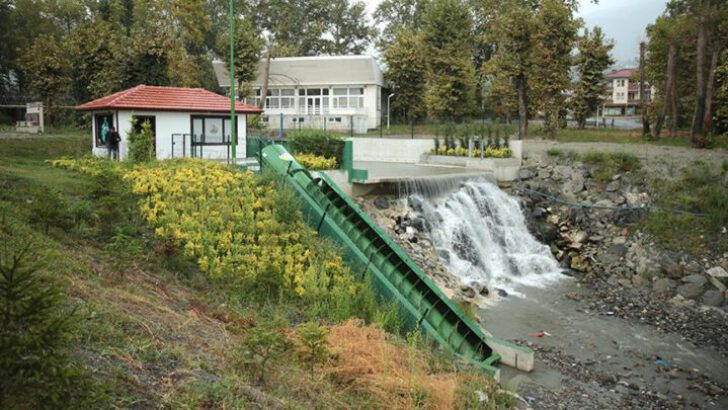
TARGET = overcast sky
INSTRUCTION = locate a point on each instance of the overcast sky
(624, 21)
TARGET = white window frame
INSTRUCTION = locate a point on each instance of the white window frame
(347, 97)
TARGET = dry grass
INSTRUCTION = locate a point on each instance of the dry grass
(396, 376)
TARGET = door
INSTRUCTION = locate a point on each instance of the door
(313, 105)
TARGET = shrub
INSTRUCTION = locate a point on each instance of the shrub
(606, 165)
(48, 208)
(315, 162)
(263, 346)
(35, 368)
(141, 144)
(317, 142)
(313, 348)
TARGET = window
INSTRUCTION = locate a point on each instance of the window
(276, 98)
(211, 130)
(620, 83)
(348, 97)
(103, 122)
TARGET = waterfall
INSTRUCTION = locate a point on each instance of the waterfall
(481, 236)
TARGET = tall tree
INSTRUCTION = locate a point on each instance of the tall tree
(46, 69)
(450, 81)
(406, 71)
(93, 51)
(556, 35)
(397, 15)
(591, 62)
(349, 31)
(721, 96)
(248, 47)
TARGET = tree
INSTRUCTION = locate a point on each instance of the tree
(450, 80)
(398, 15)
(721, 97)
(93, 50)
(46, 69)
(406, 70)
(555, 34)
(513, 59)
(591, 62)
(248, 46)
(349, 31)
(313, 348)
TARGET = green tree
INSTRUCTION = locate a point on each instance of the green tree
(450, 80)
(349, 29)
(721, 97)
(591, 62)
(93, 50)
(555, 35)
(248, 46)
(264, 345)
(46, 69)
(406, 70)
(397, 15)
(313, 348)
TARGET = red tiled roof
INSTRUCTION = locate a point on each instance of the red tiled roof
(156, 98)
(623, 73)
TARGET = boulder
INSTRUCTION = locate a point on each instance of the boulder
(613, 254)
(717, 283)
(420, 224)
(717, 272)
(672, 269)
(640, 281)
(613, 186)
(381, 203)
(712, 298)
(695, 279)
(663, 287)
(467, 291)
(539, 212)
(563, 172)
(546, 232)
(525, 173)
(415, 203)
(574, 185)
(690, 291)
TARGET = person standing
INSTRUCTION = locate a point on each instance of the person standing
(112, 142)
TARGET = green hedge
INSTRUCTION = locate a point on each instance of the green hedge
(318, 142)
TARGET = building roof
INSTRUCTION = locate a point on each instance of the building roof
(623, 73)
(318, 70)
(156, 98)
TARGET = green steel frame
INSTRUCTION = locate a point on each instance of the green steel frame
(370, 251)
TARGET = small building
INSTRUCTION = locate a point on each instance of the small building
(623, 94)
(186, 122)
(341, 93)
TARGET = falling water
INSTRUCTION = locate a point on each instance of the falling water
(481, 236)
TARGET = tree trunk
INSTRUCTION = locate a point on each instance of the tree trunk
(266, 77)
(710, 90)
(522, 106)
(697, 131)
(643, 97)
(673, 107)
(669, 92)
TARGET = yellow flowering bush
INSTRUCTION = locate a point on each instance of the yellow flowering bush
(87, 165)
(490, 152)
(226, 221)
(315, 162)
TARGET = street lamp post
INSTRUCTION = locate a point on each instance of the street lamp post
(388, 105)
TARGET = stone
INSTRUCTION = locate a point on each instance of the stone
(717, 272)
(574, 185)
(539, 212)
(563, 172)
(546, 232)
(415, 203)
(502, 292)
(717, 283)
(640, 281)
(613, 186)
(663, 287)
(693, 267)
(525, 173)
(467, 291)
(696, 279)
(672, 269)
(604, 203)
(712, 298)
(381, 203)
(578, 263)
(690, 291)
(613, 254)
(544, 174)
(420, 224)
(619, 200)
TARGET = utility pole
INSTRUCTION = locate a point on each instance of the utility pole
(389, 99)
(643, 97)
(233, 136)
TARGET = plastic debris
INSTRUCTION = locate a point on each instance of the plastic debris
(539, 334)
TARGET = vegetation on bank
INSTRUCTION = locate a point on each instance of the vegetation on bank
(147, 326)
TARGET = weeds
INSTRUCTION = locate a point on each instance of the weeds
(606, 165)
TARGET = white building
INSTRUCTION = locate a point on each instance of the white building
(623, 95)
(332, 92)
(186, 122)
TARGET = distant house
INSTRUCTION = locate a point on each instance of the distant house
(185, 121)
(332, 92)
(623, 94)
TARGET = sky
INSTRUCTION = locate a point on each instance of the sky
(624, 21)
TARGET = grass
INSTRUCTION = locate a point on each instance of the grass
(606, 165)
(153, 332)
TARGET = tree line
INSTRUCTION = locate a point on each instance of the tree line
(444, 59)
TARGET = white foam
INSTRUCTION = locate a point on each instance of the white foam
(482, 237)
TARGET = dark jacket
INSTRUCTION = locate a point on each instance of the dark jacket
(113, 139)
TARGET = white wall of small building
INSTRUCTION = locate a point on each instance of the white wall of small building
(166, 124)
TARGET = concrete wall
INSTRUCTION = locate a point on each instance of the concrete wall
(503, 169)
(404, 150)
(168, 123)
